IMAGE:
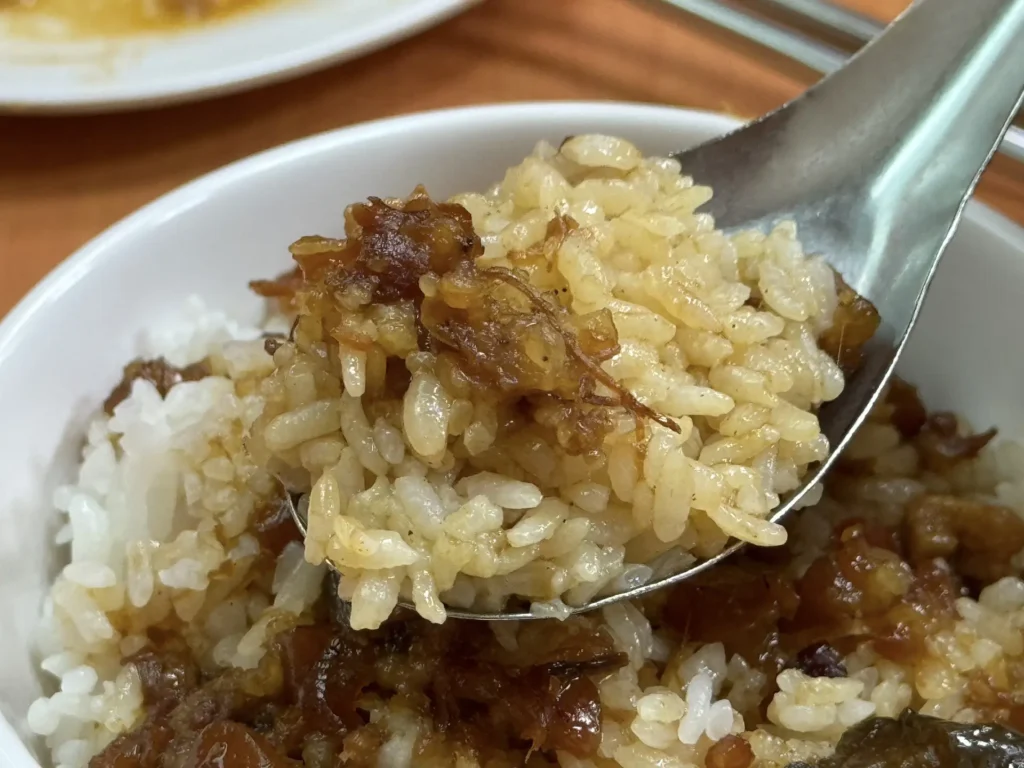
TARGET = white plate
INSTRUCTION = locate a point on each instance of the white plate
(267, 45)
(62, 348)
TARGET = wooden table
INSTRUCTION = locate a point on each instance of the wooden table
(64, 180)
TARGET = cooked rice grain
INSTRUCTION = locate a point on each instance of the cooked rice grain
(715, 332)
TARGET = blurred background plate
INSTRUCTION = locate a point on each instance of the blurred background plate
(53, 73)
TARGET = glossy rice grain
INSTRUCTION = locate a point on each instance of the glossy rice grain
(579, 335)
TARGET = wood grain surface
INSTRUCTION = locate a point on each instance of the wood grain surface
(64, 180)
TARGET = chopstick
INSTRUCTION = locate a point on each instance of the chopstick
(797, 46)
(832, 17)
(802, 47)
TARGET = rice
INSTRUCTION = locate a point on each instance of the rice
(807, 714)
(157, 521)
(177, 535)
(716, 333)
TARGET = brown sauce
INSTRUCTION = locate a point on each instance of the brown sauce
(943, 445)
(310, 696)
(730, 752)
(158, 372)
(275, 529)
(890, 586)
(853, 325)
(917, 741)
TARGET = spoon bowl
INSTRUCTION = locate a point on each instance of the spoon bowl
(875, 166)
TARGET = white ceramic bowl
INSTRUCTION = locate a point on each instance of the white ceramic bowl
(62, 348)
(38, 74)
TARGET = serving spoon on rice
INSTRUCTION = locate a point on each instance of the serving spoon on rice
(875, 165)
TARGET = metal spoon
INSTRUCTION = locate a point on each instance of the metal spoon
(875, 165)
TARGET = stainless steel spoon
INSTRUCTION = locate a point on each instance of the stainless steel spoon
(875, 165)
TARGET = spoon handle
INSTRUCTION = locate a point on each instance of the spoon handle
(941, 89)
(875, 165)
(879, 158)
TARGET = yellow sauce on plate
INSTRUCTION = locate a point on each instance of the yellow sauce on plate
(118, 18)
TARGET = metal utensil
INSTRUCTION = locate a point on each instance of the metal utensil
(741, 18)
(875, 165)
(832, 17)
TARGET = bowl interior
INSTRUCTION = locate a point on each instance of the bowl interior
(62, 349)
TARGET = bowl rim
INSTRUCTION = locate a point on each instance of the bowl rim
(344, 45)
(66, 274)
(63, 276)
